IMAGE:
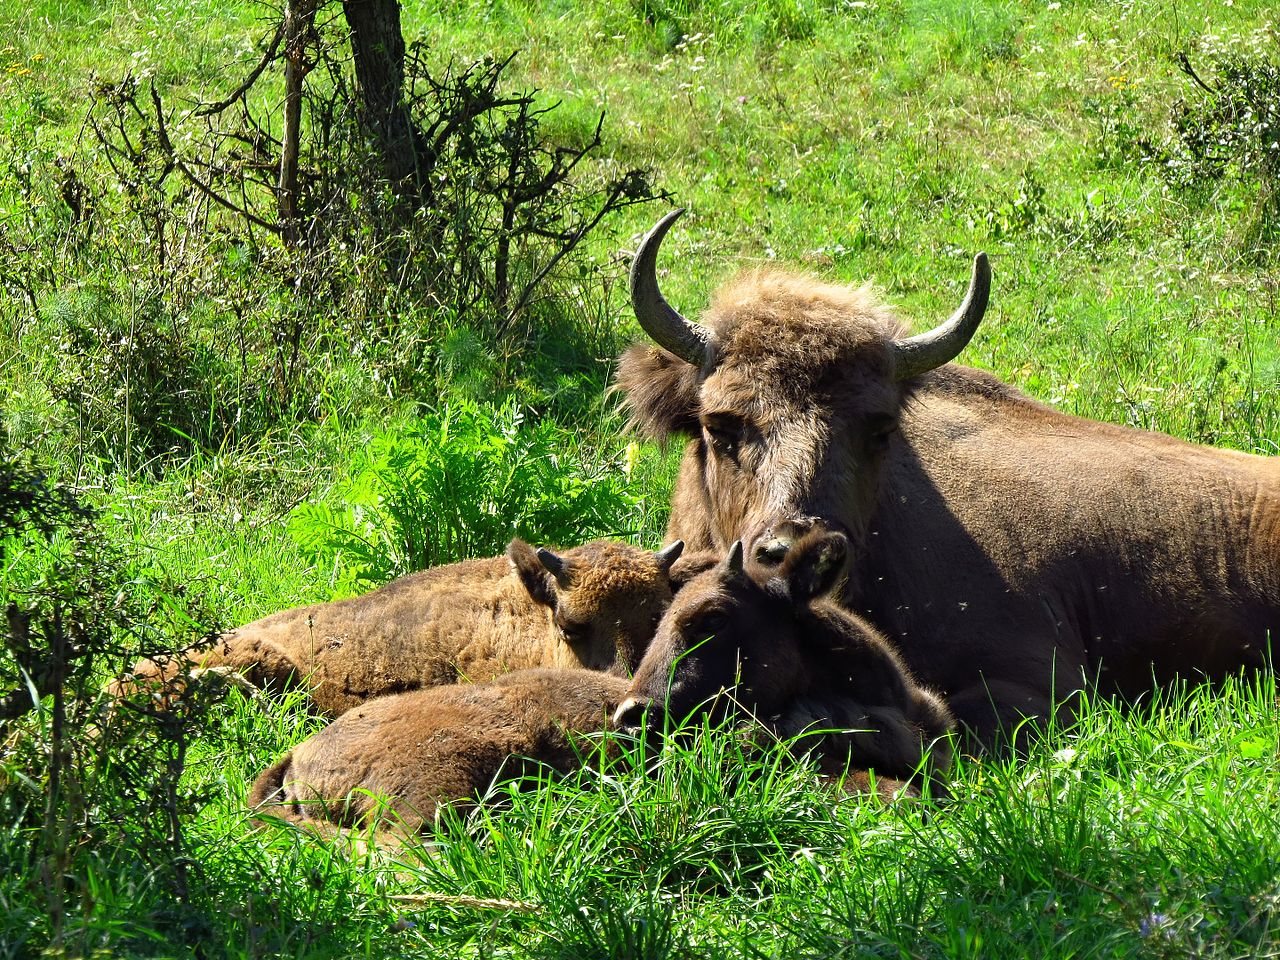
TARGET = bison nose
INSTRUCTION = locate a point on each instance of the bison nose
(630, 713)
(770, 548)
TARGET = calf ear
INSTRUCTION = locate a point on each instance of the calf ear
(661, 391)
(689, 566)
(816, 566)
(535, 576)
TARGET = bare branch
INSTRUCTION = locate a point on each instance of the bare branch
(163, 135)
(206, 110)
(1185, 63)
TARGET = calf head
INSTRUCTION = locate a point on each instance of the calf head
(605, 598)
(773, 641)
(736, 635)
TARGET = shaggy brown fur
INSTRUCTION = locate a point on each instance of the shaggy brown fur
(594, 606)
(1013, 553)
(784, 650)
(418, 750)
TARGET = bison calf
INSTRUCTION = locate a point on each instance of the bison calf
(408, 755)
(774, 641)
(428, 747)
(594, 606)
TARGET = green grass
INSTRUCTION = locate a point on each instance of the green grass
(884, 141)
(1130, 835)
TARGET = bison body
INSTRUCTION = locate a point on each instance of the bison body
(776, 643)
(594, 606)
(441, 745)
(1013, 553)
(1060, 552)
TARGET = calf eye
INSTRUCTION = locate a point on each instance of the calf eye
(712, 624)
(575, 633)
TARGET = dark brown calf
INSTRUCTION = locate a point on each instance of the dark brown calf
(774, 641)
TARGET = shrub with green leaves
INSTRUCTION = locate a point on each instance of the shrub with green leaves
(1230, 127)
(461, 484)
(84, 783)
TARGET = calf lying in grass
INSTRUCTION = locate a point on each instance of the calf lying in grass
(594, 606)
(775, 638)
(774, 641)
(443, 744)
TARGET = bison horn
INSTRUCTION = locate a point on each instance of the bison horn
(921, 353)
(689, 341)
(669, 555)
(553, 564)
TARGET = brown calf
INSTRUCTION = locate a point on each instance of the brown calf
(594, 606)
(443, 744)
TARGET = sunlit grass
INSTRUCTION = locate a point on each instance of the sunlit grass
(1129, 834)
(884, 141)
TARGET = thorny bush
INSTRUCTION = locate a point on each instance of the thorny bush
(1229, 126)
(83, 778)
(157, 254)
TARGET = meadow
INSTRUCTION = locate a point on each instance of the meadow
(247, 448)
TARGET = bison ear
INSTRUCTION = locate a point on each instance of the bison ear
(816, 566)
(661, 391)
(689, 566)
(532, 572)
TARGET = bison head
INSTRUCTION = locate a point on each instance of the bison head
(789, 390)
(729, 632)
(605, 597)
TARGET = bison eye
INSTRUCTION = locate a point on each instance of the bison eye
(723, 440)
(575, 633)
(725, 434)
(878, 431)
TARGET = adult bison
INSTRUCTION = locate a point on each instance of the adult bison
(1013, 552)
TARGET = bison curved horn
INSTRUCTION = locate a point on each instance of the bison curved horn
(687, 340)
(924, 351)
(669, 555)
(554, 565)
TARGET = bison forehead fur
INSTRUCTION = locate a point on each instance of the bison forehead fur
(793, 332)
(781, 340)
